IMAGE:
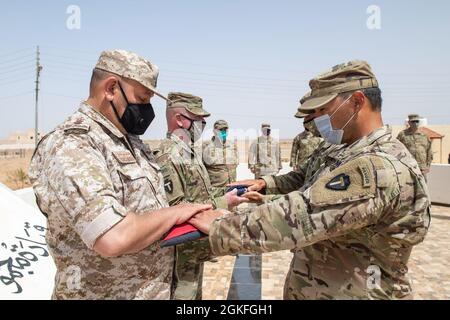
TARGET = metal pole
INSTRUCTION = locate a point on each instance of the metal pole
(38, 74)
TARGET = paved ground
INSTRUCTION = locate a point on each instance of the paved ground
(429, 266)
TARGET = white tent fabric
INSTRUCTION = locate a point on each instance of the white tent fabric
(26, 268)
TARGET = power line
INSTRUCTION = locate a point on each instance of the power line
(15, 70)
(17, 95)
(6, 83)
(14, 52)
(16, 65)
(15, 59)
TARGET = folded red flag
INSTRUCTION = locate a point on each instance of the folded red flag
(182, 233)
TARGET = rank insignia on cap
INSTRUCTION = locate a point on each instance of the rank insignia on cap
(339, 183)
(168, 186)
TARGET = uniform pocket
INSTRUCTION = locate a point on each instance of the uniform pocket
(136, 186)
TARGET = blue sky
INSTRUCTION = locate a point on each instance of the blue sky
(250, 60)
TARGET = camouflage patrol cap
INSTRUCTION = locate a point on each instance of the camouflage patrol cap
(299, 113)
(220, 124)
(346, 77)
(131, 66)
(413, 117)
(265, 125)
(191, 103)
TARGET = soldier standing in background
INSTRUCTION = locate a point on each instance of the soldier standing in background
(221, 157)
(305, 142)
(264, 156)
(186, 180)
(417, 143)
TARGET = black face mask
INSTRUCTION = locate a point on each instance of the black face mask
(137, 117)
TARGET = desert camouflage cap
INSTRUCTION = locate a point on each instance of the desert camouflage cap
(220, 124)
(129, 65)
(265, 125)
(191, 103)
(299, 113)
(350, 76)
(413, 117)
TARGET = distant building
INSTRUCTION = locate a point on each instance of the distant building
(20, 137)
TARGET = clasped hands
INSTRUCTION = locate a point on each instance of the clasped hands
(203, 220)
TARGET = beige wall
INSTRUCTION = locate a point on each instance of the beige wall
(441, 129)
(19, 137)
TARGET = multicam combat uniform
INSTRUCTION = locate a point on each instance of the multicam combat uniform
(186, 180)
(342, 239)
(351, 218)
(419, 145)
(303, 146)
(264, 156)
(221, 160)
(87, 176)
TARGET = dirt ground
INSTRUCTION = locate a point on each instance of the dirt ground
(9, 167)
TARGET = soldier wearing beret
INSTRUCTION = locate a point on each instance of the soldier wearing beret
(417, 143)
(221, 157)
(353, 217)
(186, 180)
(103, 193)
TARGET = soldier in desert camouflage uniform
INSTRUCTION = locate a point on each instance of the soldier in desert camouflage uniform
(305, 142)
(417, 143)
(351, 221)
(186, 180)
(103, 193)
(264, 156)
(221, 157)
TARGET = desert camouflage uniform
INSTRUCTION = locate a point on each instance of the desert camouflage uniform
(87, 176)
(264, 157)
(303, 146)
(347, 244)
(419, 145)
(221, 161)
(186, 180)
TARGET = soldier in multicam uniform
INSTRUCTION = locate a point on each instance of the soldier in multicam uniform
(354, 220)
(306, 142)
(417, 143)
(102, 192)
(186, 180)
(221, 157)
(264, 156)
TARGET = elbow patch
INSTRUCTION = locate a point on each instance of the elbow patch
(353, 181)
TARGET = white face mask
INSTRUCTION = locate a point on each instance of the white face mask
(323, 124)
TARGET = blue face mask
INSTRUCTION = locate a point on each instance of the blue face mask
(323, 124)
(223, 134)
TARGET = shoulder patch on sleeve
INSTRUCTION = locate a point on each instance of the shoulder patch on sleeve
(352, 181)
(76, 128)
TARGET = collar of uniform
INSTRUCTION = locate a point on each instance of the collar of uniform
(88, 110)
(364, 142)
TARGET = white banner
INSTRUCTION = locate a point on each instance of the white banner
(27, 270)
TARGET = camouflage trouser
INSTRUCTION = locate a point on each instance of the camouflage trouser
(188, 271)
